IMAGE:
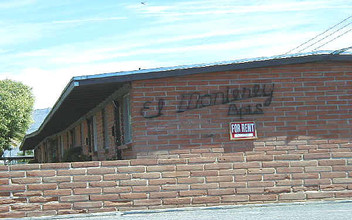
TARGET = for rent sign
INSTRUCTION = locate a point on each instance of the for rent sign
(243, 130)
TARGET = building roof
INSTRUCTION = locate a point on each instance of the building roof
(83, 93)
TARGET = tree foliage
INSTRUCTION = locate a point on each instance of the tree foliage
(16, 106)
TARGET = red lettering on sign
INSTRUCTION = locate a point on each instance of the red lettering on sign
(243, 130)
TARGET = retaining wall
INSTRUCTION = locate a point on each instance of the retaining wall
(297, 170)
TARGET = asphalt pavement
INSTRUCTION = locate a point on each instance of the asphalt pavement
(287, 211)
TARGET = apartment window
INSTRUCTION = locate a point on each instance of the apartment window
(48, 151)
(53, 144)
(61, 144)
(42, 151)
(73, 137)
(105, 128)
(67, 143)
(95, 134)
(82, 133)
(126, 116)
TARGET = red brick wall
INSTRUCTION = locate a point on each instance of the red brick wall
(309, 102)
(300, 170)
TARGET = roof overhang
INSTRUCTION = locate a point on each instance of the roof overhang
(76, 101)
(85, 92)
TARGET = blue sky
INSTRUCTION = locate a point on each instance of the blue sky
(45, 43)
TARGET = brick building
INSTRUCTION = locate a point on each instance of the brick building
(148, 112)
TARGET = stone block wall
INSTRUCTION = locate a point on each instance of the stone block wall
(295, 170)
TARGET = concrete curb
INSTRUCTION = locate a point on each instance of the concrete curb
(187, 209)
(234, 207)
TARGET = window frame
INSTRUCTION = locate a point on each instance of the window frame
(95, 133)
(105, 126)
(126, 119)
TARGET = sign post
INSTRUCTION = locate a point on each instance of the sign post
(243, 131)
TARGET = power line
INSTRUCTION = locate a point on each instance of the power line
(319, 34)
(341, 50)
(325, 37)
(333, 39)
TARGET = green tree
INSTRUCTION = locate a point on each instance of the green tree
(16, 106)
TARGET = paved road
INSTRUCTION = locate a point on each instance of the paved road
(291, 211)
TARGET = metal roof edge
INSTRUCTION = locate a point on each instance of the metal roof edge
(203, 65)
(215, 67)
(162, 69)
